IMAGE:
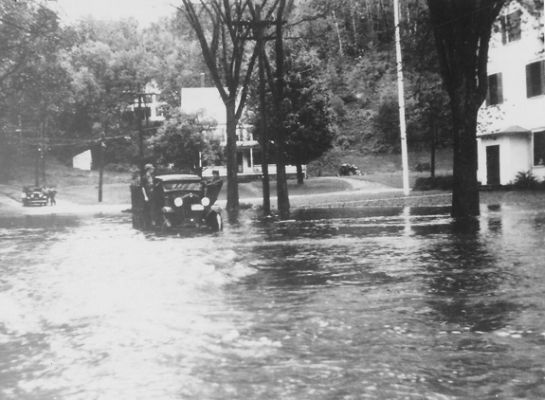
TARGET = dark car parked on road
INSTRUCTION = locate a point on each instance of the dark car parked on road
(34, 196)
(176, 201)
(349, 169)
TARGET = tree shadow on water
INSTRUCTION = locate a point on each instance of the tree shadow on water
(464, 279)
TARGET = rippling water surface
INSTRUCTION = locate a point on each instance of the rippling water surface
(390, 305)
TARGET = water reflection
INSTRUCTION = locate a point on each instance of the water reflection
(465, 278)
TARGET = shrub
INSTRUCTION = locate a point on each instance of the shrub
(526, 180)
(439, 182)
(119, 167)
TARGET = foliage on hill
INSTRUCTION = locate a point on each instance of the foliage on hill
(69, 87)
(355, 44)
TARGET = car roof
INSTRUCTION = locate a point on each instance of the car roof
(178, 177)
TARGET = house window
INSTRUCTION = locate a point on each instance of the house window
(142, 112)
(539, 148)
(495, 90)
(510, 27)
(535, 78)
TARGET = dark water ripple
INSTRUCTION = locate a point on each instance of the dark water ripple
(336, 304)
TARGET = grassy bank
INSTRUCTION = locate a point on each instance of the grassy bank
(81, 187)
(383, 168)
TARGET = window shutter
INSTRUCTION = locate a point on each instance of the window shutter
(494, 94)
(542, 76)
(503, 30)
(499, 88)
(535, 78)
(488, 91)
(529, 91)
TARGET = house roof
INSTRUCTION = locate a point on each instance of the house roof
(513, 129)
(508, 130)
(205, 101)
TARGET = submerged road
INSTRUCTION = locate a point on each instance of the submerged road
(336, 304)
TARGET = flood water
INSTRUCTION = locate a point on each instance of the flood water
(402, 304)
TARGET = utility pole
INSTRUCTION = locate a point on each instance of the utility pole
(102, 147)
(401, 99)
(39, 166)
(44, 155)
(140, 137)
(259, 27)
(282, 195)
(260, 42)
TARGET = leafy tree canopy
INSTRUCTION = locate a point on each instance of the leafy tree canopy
(183, 141)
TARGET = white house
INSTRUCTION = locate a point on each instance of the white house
(511, 123)
(151, 103)
(206, 102)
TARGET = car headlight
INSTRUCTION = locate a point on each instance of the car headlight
(205, 201)
(178, 202)
(23, 195)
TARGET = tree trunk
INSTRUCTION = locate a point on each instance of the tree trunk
(339, 37)
(4, 159)
(462, 33)
(232, 165)
(433, 143)
(263, 121)
(300, 175)
(281, 181)
(465, 188)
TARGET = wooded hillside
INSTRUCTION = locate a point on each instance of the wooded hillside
(66, 88)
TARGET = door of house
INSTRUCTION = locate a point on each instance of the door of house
(493, 165)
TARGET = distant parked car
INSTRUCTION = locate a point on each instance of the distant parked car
(349, 169)
(34, 196)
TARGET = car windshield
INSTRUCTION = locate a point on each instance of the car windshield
(186, 186)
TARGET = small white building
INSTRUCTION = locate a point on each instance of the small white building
(83, 160)
(511, 123)
(206, 103)
(151, 103)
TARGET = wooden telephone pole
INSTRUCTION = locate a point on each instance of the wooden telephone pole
(259, 26)
(259, 29)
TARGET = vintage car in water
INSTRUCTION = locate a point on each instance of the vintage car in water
(177, 201)
(34, 196)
